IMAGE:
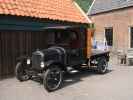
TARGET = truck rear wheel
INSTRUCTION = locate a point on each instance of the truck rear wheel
(20, 72)
(102, 65)
(52, 78)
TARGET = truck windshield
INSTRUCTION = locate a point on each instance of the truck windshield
(67, 39)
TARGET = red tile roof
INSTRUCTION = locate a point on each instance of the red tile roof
(64, 10)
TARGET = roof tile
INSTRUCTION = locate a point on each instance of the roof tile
(100, 6)
(64, 10)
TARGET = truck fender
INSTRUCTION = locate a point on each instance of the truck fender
(22, 58)
(51, 62)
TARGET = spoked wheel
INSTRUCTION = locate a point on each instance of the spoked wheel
(52, 79)
(102, 65)
(20, 72)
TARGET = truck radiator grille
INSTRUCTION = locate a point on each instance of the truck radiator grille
(36, 60)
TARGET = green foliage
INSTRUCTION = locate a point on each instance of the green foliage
(84, 4)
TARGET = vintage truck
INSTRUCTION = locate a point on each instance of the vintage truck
(50, 64)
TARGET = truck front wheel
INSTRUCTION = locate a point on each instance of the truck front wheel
(20, 72)
(102, 65)
(52, 78)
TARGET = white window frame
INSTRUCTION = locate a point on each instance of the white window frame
(129, 36)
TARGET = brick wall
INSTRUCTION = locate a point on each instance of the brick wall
(120, 20)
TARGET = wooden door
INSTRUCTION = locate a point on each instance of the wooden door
(14, 44)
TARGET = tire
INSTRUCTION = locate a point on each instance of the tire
(20, 72)
(102, 66)
(54, 75)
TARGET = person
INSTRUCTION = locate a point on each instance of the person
(74, 41)
(94, 44)
(102, 45)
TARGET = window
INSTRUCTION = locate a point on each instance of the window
(62, 37)
(109, 36)
(131, 37)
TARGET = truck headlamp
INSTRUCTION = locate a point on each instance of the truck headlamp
(28, 61)
(42, 65)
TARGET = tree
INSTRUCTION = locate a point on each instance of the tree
(84, 4)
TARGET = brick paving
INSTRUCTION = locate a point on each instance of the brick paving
(117, 84)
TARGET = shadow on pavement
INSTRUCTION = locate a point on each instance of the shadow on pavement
(74, 76)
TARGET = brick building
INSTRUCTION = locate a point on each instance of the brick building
(114, 20)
